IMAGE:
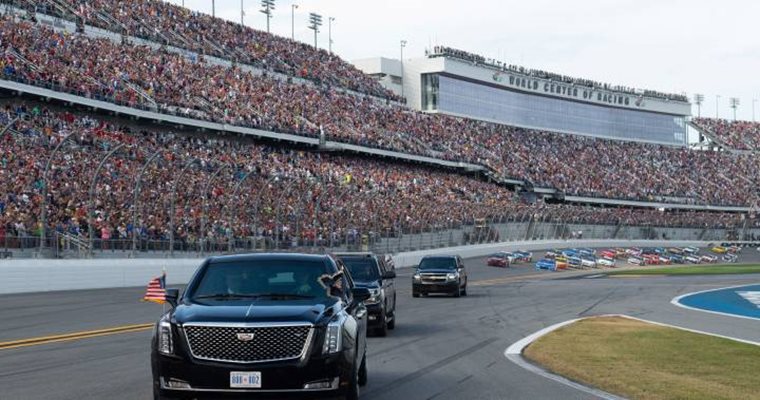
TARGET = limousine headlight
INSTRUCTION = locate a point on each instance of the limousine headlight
(334, 336)
(164, 336)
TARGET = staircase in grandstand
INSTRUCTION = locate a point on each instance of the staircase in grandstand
(69, 245)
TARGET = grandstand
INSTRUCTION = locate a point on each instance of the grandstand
(203, 132)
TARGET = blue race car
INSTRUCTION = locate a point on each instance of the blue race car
(546, 264)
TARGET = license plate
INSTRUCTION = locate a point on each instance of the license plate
(245, 379)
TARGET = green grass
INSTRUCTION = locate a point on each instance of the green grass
(694, 270)
(639, 360)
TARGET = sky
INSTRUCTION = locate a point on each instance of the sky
(678, 46)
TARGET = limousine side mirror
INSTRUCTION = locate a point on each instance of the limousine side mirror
(360, 294)
(172, 296)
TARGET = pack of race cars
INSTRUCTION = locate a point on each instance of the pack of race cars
(585, 258)
(505, 259)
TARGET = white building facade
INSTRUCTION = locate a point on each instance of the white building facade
(456, 83)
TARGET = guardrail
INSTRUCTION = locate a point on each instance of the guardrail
(40, 275)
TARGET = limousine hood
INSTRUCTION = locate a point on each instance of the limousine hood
(258, 311)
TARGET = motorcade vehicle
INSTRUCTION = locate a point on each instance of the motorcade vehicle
(263, 325)
(500, 260)
(440, 274)
(546, 264)
(376, 274)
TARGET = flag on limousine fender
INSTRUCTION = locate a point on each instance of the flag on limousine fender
(156, 291)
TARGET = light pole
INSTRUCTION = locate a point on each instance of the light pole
(329, 32)
(242, 13)
(316, 21)
(403, 44)
(266, 8)
(293, 21)
(734, 103)
(699, 99)
(753, 109)
(213, 8)
(717, 110)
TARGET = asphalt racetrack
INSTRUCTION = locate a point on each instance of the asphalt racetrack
(442, 348)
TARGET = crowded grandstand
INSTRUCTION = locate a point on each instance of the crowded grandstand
(115, 179)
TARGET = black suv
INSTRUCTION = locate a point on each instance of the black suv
(263, 326)
(376, 274)
(440, 274)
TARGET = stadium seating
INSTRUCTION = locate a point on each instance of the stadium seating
(738, 135)
(143, 77)
(288, 192)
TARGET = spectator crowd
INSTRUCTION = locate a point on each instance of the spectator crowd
(144, 77)
(215, 187)
(738, 135)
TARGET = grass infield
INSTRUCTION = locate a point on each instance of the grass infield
(645, 361)
(694, 270)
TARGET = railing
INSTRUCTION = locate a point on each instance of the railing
(389, 241)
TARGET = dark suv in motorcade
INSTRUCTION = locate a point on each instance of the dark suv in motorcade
(263, 326)
(376, 274)
(440, 274)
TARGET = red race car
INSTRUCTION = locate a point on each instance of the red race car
(652, 259)
(500, 260)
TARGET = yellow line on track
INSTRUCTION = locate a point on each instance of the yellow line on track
(74, 336)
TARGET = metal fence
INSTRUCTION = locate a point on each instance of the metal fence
(60, 245)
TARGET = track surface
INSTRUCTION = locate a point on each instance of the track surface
(442, 348)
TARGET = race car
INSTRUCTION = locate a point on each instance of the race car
(691, 250)
(500, 260)
(719, 250)
(552, 254)
(574, 262)
(730, 258)
(734, 249)
(651, 259)
(606, 262)
(636, 261)
(691, 259)
(620, 252)
(675, 250)
(570, 253)
(633, 251)
(561, 263)
(523, 256)
(676, 259)
(709, 259)
(546, 264)
(608, 253)
(588, 262)
(665, 260)
(587, 252)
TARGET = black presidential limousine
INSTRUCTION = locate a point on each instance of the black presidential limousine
(263, 326)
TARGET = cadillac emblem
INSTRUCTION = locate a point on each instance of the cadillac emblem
(245, 337)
